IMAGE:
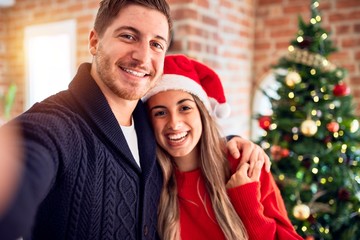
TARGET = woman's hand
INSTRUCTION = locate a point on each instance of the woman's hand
(241, 177)
(247, 152)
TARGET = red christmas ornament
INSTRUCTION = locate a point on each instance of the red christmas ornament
(306, 42)
(309, 237)
(285, 152)
(275, 152)
(264, 122)
(287, 138)
(343, 194)
(341, 90)
(327, 139)
(333, 126)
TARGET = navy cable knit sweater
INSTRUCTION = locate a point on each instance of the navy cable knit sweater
(80, 179)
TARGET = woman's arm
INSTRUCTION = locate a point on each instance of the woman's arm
(259, 204)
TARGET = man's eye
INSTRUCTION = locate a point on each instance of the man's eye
(157, 45)
(127, 36)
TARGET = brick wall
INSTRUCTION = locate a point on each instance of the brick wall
(238, 38)
(3, 51)
(276, 24)
(220, 34)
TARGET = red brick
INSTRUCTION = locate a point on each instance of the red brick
(350, 42)
(210, 21)
(296, 9)
(355, 80)
(343, 29)
(265, 2)
(203, 3)
(357, 28)
(184, 14)
(357, 56)
(194, 46)
(276, 22)
(347, 4)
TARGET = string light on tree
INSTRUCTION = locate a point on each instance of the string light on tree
(354, 126)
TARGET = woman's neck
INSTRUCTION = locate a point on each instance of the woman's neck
(189, 162)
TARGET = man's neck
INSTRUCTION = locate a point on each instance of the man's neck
(121, 108)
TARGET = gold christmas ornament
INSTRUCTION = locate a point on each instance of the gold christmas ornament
(308, 128)
(292, 78)
(301, 212)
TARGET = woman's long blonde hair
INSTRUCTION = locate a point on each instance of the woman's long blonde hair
(215, 170)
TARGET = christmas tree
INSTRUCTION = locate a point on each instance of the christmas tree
(313, 137)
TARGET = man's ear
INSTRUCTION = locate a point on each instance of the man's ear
(93, 41)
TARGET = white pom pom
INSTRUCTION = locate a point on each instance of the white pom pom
(222, 110)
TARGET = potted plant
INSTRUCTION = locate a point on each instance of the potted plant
(7, 98)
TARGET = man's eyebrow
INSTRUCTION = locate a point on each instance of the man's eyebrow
(129, 28)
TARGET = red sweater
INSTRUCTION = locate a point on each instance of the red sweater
(259, 205)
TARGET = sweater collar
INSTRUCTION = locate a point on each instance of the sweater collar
(187, 178)
(97, 112)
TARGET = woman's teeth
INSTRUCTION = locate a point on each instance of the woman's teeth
(178, 136)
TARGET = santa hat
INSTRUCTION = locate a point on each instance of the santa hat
(182, 73)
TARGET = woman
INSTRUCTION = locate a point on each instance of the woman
(205, 194)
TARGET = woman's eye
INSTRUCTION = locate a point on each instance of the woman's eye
(159, 113)
(185, 108)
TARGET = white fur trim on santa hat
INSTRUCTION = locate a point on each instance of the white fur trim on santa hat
(179, 82)
(222, 110)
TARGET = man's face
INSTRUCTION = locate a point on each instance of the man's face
(129, 57)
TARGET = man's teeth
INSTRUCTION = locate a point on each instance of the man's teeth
(135, 73)
(178, 136)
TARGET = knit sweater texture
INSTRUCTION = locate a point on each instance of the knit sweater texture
(258, 204)
(80, 179)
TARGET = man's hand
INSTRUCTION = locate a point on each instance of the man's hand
(240, 177)
(248, 152)
(10, 165)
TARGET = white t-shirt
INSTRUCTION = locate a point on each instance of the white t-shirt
(131, 138)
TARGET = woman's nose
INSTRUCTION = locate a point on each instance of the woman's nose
(175, 122)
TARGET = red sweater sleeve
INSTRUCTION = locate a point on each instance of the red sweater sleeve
(262, 210)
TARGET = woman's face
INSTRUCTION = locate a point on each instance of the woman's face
(177, 124)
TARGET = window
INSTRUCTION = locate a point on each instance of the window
(261, 103)
(50, 59)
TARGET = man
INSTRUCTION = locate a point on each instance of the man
(89, 169)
